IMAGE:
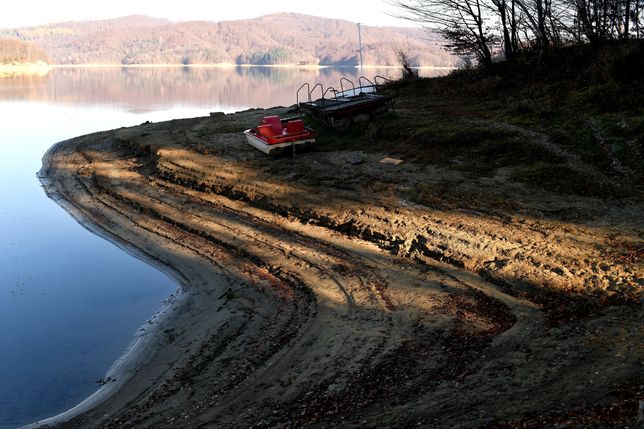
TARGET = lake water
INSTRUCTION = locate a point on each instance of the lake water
(70, 302)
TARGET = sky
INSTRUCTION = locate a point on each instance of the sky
(36, 12)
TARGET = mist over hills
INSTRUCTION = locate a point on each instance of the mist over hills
(283, 38)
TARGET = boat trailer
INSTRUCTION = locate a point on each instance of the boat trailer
(338, 109)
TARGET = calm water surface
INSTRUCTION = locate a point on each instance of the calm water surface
(70, 302)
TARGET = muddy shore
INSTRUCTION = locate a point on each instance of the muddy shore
(315, 292)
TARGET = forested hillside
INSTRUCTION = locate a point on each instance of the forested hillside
(273, 39)
(16, 52)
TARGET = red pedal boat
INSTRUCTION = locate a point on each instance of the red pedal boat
(275, 135)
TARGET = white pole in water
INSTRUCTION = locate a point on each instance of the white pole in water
(360, 43)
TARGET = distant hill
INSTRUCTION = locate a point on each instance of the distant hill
(284, 38)
(14, 51)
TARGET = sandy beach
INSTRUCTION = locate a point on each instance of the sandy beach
(314, 292)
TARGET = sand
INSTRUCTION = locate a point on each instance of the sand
(315, 292)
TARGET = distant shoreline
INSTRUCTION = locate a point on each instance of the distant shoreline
(232, 65)
(7, 70)
(26, 68)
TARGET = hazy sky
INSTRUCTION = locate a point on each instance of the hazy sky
(27, 13)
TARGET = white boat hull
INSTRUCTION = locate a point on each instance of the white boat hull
(274, 149)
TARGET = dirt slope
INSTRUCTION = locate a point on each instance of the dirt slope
(315, 292)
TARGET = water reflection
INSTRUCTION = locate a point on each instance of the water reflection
(70, 302)
(135, 89)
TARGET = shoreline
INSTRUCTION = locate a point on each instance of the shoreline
(7, 70)
(176, 313)
(43, 70)
(233, 65)
(298, 296)
(120, 371)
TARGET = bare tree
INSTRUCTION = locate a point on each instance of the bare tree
(638, 21)
(460, 22)
(508, 26)
(538, 18)
(601, 20)
(524, 24)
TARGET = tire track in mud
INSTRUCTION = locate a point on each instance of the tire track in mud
(120, 213)
(526, 258)
(128, 203)
(323, 321)
(322, 260)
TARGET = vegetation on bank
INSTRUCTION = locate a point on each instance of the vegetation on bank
(567, 120)
(15, 52)
(485, 29)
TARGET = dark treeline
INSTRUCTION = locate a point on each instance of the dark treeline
(17, 52)
(483, 29)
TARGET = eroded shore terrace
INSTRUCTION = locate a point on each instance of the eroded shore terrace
(314, 292)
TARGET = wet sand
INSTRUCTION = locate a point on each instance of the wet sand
(314, 292)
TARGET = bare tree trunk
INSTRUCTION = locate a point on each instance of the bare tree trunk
(513, 23)
(627, 19)
(508, 46)
(616, 27)
(541, 24)
(535, 24)
(594, 32)
(487, 55)
(555, 26)
(604, 20)
(507, 42)
(636, 18)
